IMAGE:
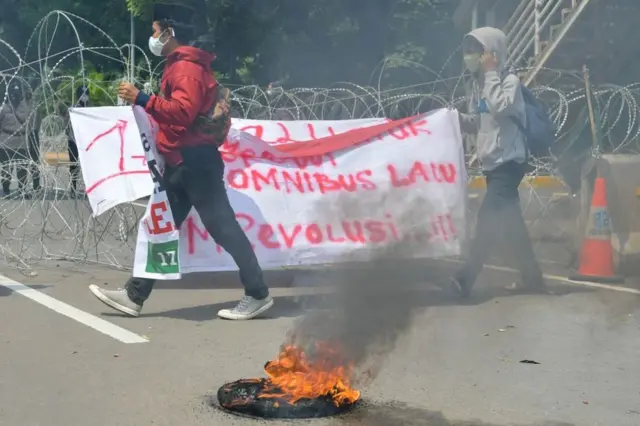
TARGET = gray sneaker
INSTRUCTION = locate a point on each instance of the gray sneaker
(116, 299)
(247, 308)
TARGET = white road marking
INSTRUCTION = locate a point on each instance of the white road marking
(563, 280)
(69, 311)
(590, 284)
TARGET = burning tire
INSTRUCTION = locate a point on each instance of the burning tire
(243, 397)
(295, 387)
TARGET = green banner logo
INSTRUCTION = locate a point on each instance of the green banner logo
(162, 258)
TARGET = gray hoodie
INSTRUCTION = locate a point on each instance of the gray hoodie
(16, 123)
(496, 100)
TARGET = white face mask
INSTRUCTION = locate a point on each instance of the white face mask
(472, 61)
(156, 45)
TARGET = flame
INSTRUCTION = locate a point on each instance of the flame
(293, 376)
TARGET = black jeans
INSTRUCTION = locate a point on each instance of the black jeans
(74, 164)
(27, 160)
(199, 182)
(500, 218)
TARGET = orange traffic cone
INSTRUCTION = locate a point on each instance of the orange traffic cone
(596, 258)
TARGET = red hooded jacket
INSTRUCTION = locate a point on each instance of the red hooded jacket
(188, 86)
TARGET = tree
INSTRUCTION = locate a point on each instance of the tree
(302, 43)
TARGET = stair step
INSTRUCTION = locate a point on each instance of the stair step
(565, 13)
(543, 45)
(553, 29)
(607, 21)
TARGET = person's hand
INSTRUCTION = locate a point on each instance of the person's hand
(489, 61)
(128, 92)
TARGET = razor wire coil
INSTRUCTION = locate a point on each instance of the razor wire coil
(50, 223)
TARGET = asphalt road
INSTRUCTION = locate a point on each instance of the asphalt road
(454, 365)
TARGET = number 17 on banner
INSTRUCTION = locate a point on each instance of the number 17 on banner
(163, 245)
(162, 258)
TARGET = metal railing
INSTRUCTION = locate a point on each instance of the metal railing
(529, 28)
(535, 30)
(578, 6)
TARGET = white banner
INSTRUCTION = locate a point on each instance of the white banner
(157, 245)
(113, 163)
(319, 192)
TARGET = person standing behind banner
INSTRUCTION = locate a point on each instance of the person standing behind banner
(19, 142)
(495, 105)
(82, 94)
(194, 171)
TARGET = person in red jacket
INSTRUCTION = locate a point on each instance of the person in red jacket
(194, 171)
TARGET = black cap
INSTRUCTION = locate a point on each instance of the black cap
(180, 15)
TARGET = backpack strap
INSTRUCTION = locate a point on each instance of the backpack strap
(520, 125)
(517, 122)
(221, 102)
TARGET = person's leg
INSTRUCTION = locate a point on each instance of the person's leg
(5, 171)
(204, 184)
(516, 234)
(139, 289)
(484, 240)
(34, 155)
(74, 166)
(22, 160)
(136, 291)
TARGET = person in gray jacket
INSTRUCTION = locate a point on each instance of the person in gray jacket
(19, 141)
(496, 106)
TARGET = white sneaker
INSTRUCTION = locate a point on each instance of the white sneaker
(116, 299)
(246, 309)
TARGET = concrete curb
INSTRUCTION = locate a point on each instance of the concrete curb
(536, 182)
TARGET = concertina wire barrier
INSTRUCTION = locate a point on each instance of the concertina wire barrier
(49, 224)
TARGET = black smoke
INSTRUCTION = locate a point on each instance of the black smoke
(373, 303)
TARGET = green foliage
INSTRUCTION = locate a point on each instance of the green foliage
(102, 87)
(310, 43)
(138, 7)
